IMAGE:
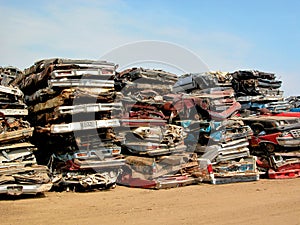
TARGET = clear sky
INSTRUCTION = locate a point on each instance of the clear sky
(226, 34)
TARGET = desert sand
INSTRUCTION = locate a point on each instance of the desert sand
(260, 202)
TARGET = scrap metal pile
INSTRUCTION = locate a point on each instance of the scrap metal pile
(70, 105)
(275, 139)
(222, 138)
(91, 127)
(19, 171)
(155, 149)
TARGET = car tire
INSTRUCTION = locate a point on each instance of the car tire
(268, 147)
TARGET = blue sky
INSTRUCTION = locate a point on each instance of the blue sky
(226, 35)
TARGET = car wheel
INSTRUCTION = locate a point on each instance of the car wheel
(269, 147)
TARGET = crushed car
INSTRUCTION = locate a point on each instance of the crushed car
(274, 133)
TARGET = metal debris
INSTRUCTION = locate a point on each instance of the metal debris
(92, 127)
(72, 111)
(19, 171)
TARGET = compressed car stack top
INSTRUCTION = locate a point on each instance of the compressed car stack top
(255, 88)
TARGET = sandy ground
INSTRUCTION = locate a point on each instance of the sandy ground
(260, 202)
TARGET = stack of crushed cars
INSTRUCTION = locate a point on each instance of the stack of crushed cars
(156, 155)
(221, 142)
(91, 127)
(275, 140)
(71, 104)
(19, 171)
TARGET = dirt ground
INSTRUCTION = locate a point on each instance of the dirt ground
(260, 202)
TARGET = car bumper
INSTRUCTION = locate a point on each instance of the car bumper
(18, 189)
(288, 141)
